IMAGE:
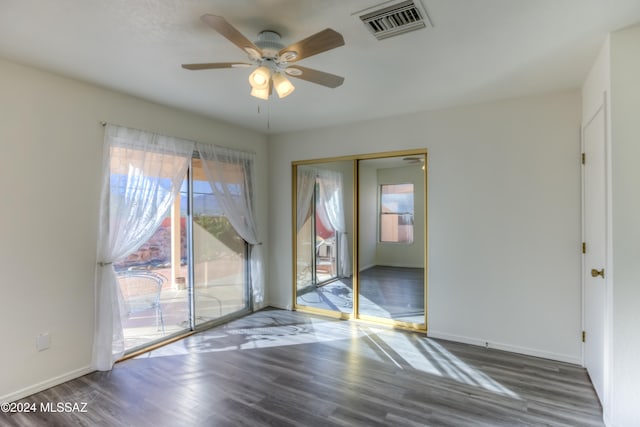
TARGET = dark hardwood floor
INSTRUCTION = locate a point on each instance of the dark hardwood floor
(283, 368)
(385, 292)
(397, 290)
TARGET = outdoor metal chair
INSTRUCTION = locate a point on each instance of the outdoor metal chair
(141, 291)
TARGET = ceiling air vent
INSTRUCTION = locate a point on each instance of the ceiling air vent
(396, 19)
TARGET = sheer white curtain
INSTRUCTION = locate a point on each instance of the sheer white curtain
(142, 174)
(331, 212)
(306, 181)
(230, 174)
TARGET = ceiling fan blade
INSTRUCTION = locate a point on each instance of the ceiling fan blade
(315, 76)
(220, 24)
(317, 43)
(212, 65)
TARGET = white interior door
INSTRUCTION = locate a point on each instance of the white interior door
(594, 284)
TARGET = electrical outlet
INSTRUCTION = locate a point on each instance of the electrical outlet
(43, 341)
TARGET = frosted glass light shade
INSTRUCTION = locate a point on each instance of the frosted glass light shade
(259, 78)
(283, 85)
(260, 93)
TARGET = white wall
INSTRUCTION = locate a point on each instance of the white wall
(51, 141)
(625, 132)
(597, 83)
(368, 223)
(504, 216)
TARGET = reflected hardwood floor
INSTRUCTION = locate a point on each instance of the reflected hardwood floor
(284, 368)
(393, 292)
(386, 292)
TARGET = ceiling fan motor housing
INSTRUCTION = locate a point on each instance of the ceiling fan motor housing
(269, 42)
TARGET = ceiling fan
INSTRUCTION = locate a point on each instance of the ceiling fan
(273, 59)
(413, 160)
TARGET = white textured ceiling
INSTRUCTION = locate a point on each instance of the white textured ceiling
(478, 50)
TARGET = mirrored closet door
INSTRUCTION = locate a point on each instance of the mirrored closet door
(359, 227)
(324, 230)
(392, 239)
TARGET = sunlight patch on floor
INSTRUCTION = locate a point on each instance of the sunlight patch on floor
(405, 351)
(230, 339)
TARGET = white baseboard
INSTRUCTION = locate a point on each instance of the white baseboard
(506, 347)
(366, 267)
(279, 306)
(399, 265)
(607, 420)
(28, 391)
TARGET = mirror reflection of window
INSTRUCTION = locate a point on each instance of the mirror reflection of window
(396, 213)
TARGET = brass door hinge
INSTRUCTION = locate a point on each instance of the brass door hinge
(582, 157)
(584, 336)
(584, 248)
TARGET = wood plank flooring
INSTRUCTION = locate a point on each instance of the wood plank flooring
(385, 292)
(281, 368)
(398, 291)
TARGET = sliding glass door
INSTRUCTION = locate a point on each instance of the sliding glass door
(219, 256)
(190, 272)
(154, 303)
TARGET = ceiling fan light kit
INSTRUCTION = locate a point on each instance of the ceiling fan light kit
(263, 77)
(259, 78)
(272, 58)
(283, 86)
(260, 93)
